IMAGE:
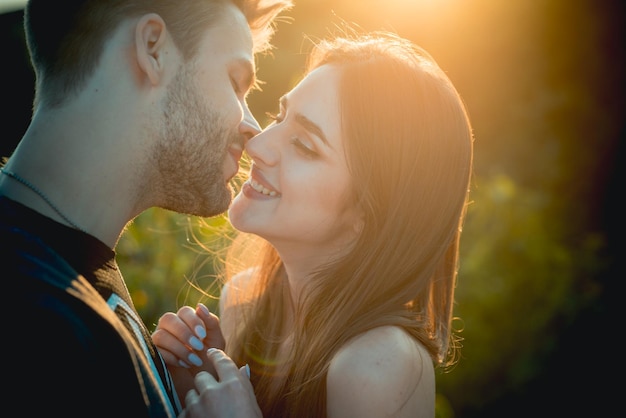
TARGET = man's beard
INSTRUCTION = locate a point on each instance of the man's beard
(191, 152)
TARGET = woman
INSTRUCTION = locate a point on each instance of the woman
(358, 191)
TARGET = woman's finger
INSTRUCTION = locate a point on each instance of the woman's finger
(214, 337)
(224, 366)
(191, 398)
(230, 395)
(228, 373)
(174, 324)
(175, 352)
(171, 359)
(245, 371)
(205, 381)
(194, 322)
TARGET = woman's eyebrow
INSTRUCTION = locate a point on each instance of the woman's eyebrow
(307, 123)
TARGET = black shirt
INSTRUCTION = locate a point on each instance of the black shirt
(79, 346)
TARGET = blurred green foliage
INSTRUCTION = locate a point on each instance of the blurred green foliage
(163, 264)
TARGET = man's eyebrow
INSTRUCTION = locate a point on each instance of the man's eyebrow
(307, 123)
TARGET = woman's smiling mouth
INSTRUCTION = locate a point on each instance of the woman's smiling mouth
(262, 189)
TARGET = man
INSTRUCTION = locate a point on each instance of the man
(138, 104)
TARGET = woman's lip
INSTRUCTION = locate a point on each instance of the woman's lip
(248, 191)
(257, 176)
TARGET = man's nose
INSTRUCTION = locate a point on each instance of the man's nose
(249, 126)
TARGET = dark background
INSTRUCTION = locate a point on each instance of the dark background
(542, 247)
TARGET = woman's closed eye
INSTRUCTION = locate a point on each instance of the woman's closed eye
(303, 148)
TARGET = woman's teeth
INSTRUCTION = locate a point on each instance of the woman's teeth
(259, 188)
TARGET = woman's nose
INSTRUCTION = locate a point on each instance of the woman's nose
(262, 149)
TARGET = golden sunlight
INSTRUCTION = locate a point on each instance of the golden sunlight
(406, 16)
(407, 8)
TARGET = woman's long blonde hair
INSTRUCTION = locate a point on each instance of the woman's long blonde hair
(409, 147)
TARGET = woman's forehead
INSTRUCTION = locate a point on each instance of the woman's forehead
(317, 98)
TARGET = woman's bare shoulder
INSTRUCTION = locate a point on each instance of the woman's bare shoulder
(235, 293)
(238, 288)
(383, 372)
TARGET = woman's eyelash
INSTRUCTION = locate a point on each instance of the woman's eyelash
(301, 147)
(295, 141)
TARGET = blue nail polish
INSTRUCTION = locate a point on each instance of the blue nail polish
(194, 359)
(200, 332)
(196, 343)
(204, 308)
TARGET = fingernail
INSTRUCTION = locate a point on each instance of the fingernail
(196, 343)
(183, 364)
(194, 359)
(204, 308)
(200, 332)
(248, 370)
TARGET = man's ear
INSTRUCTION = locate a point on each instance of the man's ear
(150, 41)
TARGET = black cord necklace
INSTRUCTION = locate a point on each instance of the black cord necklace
(40, 194)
